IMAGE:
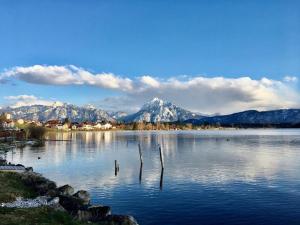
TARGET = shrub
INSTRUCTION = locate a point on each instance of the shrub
(35, 132)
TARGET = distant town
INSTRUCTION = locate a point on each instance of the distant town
(8, 123)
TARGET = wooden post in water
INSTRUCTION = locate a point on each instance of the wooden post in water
(161, 157)
(140, 151)
(161, 179)
(141, 173)
(116, 168)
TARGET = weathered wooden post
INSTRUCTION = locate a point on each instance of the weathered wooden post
(161, 157)
(116, 167)
(141, 172)
(140, 151)
(161, 179)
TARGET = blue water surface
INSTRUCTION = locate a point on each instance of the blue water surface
(211, 177)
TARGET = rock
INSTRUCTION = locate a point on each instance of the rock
(45, 187)
(20, 165)
(53, 201)
(66, 190)
(119, 220)
(71, 203)
(93, 213)
(52, 193)
(84, 195)
(99, 212)
(32, 203)
(3, 162)
(38, 182)
(83, 215)
(29, 169)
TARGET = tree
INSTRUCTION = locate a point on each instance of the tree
(2, 120)
(67, 121)
(35, 132)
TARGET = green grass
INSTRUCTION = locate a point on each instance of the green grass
(11, 187)
(32, 216)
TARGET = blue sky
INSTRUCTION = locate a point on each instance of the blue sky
(182, 40)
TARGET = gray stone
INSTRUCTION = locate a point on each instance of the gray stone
(66, 190)
(29, 169)
(93, 213)
(119, 220)
(32, 203)
(71, 203)
(3, 162)
(39, 183)
(84, 195)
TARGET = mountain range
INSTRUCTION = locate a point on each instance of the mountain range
(155, 110)
(253, 118)
(60, 112)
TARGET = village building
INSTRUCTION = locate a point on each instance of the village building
(52, 123)
(87, 126)
(8, 125)
(7, 116)
(20, 121)
(106, 126)
(98, 126)
(64, 126)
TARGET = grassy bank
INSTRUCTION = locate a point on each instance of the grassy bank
(11, 187)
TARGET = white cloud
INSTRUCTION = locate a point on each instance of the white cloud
(212, 95)
(66, 75)
(150, 81)
(28, 100)
(199, 94)
(290, 79)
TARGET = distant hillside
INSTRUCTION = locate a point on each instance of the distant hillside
(44, 113)
(158, 110)
(253, 118)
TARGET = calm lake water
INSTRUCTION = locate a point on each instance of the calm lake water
(210, 177)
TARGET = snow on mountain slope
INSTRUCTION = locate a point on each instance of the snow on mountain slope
(159, 111)
(58, 111)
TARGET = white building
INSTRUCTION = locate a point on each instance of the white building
(7, 116)
(106, 126)
(20, 121)
(9, 124)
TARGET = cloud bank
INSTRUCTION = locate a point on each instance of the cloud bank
(198, 93)
(66, 75)
(28, 100)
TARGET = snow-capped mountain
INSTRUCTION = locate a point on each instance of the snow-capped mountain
(118, 115)
(159, 111)
(58, 111)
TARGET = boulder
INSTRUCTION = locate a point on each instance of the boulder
(93, 213)
(39, 183)
(54, 204)
(99, 212)
(71, 203)
(84, 195)
(29, 169)
(45, 187)
(52, 193)
(3, 162)
(66, 190)
(119, 220)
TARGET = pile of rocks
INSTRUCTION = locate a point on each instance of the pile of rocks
(63, 198)
(32, 203)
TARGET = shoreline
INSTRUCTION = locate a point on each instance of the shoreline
(209, 129)
(63, 199)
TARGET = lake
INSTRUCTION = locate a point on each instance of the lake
(210, 177)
